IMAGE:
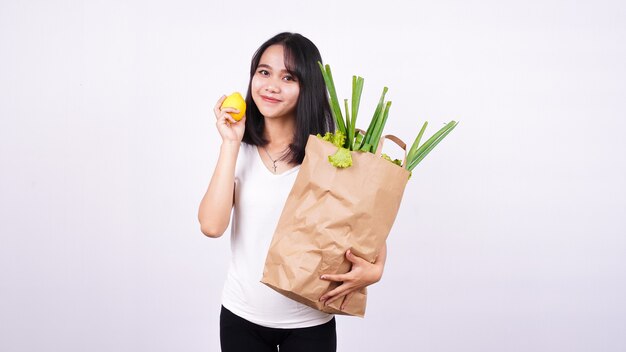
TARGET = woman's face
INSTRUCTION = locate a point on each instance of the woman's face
(274, 90)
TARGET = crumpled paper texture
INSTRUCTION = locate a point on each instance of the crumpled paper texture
(329, 211)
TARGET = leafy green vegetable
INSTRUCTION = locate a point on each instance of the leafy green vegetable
(395, 161)
(341, 158)
(347, 140)
(337, 138)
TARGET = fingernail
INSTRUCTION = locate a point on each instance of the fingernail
(323, 277)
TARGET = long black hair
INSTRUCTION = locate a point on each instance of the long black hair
(312, 108)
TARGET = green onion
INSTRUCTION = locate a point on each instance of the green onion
(357, 89)
(410, 155)
(348, 124)
(358, 139)
(380, 125)
(367, 139)
(334, 102)
(430, 144)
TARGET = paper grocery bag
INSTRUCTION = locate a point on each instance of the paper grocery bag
(329, 211)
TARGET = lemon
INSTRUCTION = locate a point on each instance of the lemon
(236, 101)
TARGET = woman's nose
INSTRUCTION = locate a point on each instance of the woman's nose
(273, 84)
(271, 87)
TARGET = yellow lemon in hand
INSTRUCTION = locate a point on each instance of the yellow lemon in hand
(236, 101)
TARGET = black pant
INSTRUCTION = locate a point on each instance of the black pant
(240, 335)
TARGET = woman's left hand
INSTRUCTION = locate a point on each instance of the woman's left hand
(362, 274)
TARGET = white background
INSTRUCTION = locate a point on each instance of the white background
(511, 234)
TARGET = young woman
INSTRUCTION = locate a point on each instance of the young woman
(258, 162)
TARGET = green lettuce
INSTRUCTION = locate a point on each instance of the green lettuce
(341, 158)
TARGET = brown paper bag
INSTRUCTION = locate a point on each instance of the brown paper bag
(329, 211)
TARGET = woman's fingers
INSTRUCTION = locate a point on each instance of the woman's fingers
(350, 281)
(225, 120)
(336, 293)
(346, 290)
(225, 115)
(355, 259)
(230, 119)
(346, 300)
(336, 277)
(228, 128)
(230, 110)
(217, 107)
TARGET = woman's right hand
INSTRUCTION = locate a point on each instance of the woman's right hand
(230, 129)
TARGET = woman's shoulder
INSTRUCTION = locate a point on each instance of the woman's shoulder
(246, 155)
(246, 149)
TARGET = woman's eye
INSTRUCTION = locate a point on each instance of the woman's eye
(264, 72)
(289, 78)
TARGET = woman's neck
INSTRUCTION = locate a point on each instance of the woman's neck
(279, 134)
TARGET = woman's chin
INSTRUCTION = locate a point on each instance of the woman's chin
(273, 114)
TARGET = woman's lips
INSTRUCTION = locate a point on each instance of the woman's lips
(270, 100)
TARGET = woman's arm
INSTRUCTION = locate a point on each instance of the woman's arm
(362, 274)
(217, 203)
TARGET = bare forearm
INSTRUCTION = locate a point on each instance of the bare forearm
(217, 203)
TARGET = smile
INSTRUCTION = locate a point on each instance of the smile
(270, 100)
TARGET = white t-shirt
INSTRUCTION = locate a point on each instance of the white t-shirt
(259, 199)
